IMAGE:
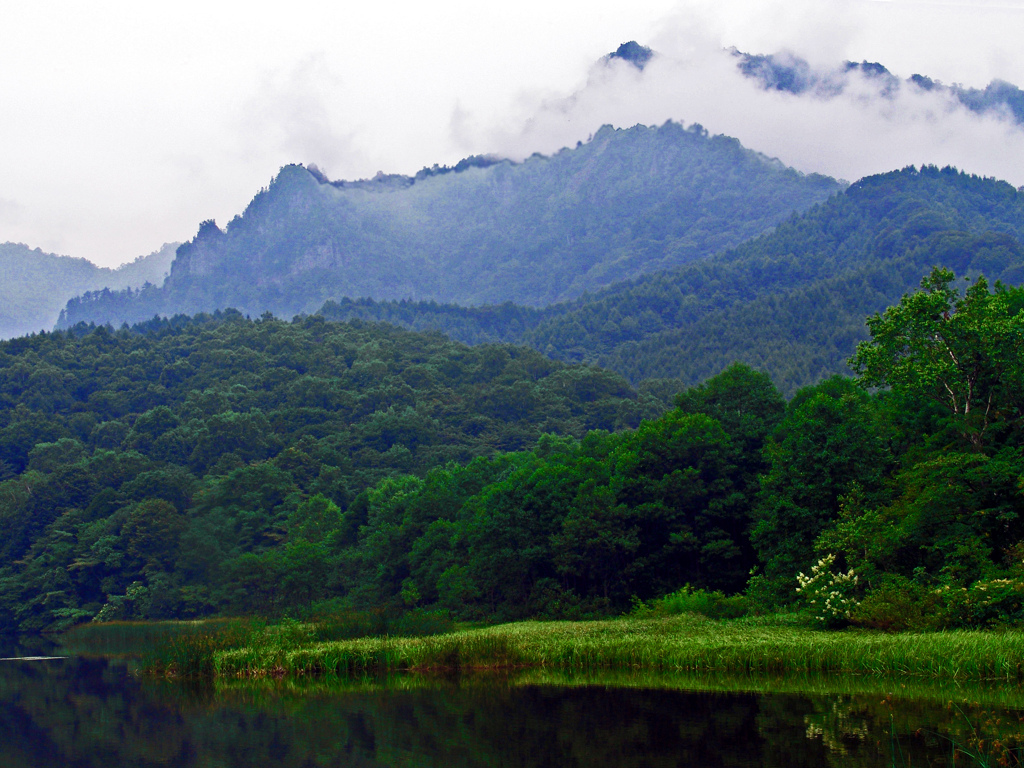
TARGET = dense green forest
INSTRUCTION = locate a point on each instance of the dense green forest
(217, 464)
(625, 203)
(35, 286)
(916, 486)
(791, 303)
(163, 454)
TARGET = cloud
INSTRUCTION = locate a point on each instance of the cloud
(10, 211)
(131, 127)
(293, 111)
(866, 128)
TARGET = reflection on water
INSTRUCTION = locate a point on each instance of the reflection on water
(91, 711)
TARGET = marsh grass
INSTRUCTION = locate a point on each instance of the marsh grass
(675, 644)
(713, 605)
(192, 654)
(133, 638)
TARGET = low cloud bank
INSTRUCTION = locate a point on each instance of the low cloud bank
(846, 121)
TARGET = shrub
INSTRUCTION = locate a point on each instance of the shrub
(827, 595)
(897, 605)
(986, 603)
(714, 605)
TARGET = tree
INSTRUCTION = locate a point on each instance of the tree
(964, 352)
(829, 444)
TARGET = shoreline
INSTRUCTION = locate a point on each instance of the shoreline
(678, 644)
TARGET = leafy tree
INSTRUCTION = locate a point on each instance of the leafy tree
(830, 444)
(964, 352)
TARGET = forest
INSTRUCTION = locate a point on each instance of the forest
(791, 302)
(219, 465)
(158, 456)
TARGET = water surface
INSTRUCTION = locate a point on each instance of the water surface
(85, 711)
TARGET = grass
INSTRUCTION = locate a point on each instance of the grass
(675, 644)
(134, 638)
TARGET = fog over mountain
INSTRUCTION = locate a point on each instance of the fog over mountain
(626, 203)
(208, 112)
(34, 286)
(843, 118)
(787, 72)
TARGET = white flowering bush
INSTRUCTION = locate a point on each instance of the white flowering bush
(828, 596)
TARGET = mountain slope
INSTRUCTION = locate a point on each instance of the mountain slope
(626, 203)
(791, 302)
(34, 286)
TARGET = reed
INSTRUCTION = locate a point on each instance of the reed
(678, 644)
(133, 638)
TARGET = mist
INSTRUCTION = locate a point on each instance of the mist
(867, 128)
(125, 125)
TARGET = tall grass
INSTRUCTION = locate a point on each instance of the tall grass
(187, 649)
(679, 644)
(133, 638)
(192, 654)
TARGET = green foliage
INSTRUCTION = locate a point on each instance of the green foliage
(898, 604)
(274, 468)
(830, 444)
(791, 303)
(191, 467)
(992, 602)
(966, 353)
(714, 605)
(572, 528)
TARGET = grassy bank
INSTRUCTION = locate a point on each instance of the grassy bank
(678, 644)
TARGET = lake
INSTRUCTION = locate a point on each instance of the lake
(94, 711)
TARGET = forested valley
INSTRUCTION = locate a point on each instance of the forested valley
(221, 465)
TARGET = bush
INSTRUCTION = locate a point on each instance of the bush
(898, 605)
(828, 596)
(986, 603)
(714, 605)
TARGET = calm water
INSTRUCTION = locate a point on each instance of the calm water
(93, 711)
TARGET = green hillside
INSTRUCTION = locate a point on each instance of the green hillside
(791, 302)
(226, 466)
(168, 453)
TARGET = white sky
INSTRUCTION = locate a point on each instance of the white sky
(123, 125)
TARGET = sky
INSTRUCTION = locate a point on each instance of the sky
(124, 125)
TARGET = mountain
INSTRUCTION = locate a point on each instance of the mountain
(636, 54)
(626, 203)
(35, 286)
(790, 73)
(791, 302)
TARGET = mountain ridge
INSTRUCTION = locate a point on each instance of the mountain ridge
(544, 230)
(35, 286)
(790, 302)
